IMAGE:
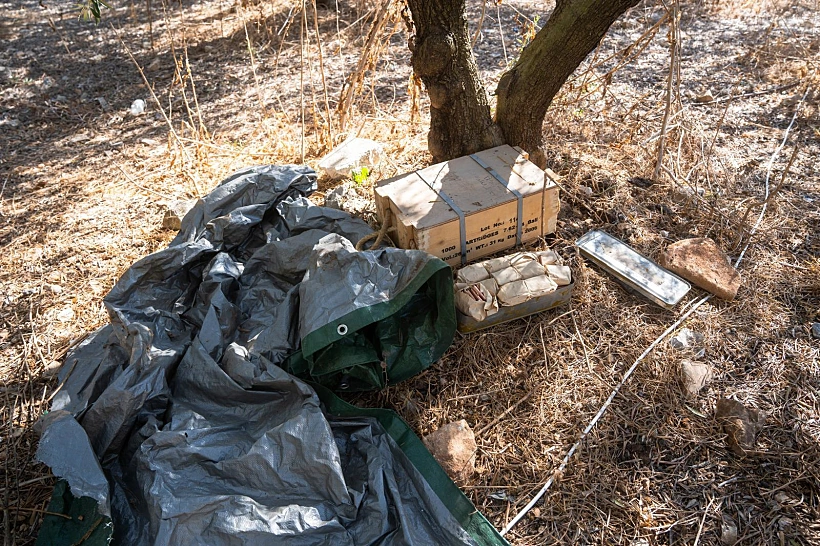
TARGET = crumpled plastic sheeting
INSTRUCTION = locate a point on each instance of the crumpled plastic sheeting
(200, 435)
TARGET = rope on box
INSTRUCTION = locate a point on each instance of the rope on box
(379, 236)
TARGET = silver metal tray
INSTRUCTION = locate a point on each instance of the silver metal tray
(634, 271)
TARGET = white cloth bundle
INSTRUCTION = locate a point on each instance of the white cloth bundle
(561, 274)
(518, 292)
(507, 281)
(477, 300)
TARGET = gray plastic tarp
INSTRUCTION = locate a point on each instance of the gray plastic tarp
(178, 418)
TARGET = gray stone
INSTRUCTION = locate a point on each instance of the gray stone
(175, 212)
(454, 447)
(52, 368)
(695, 375)
(728, 531)
(704, 264)
(335, 198)
(815, 330)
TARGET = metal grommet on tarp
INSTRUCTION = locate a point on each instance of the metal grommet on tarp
(341, 329)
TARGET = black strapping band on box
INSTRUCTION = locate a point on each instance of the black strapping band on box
(462, 229)
(519, 227)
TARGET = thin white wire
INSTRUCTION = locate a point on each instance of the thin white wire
(600, 414)
(768, 175)
(655, 343)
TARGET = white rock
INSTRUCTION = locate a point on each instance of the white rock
(137, 107)
(66, 314)
(335, 198)
(686, 339)
(175, 212)
(728, 531)
(349, 155)
(55, 289)
(51, 368)
(706, 97)
(695, 375)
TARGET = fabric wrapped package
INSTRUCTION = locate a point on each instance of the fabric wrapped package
(481, 307)
(548, 257)
(561, 274)
(497, 264)
(530, 268)
(472, 274)
(182, 422)
(522, 266)
(506, 275)
(518, 292)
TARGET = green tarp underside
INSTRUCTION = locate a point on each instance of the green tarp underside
(390, 341)
(79, 524)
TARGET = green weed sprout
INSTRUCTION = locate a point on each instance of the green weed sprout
(360, 175)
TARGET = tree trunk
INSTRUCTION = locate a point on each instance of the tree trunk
(525, 92)
(460, 121)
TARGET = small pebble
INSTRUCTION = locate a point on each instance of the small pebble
(815, 330)
(728, 532)
(137, 107)
(52, 368)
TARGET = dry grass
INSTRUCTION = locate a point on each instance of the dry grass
(83, 189)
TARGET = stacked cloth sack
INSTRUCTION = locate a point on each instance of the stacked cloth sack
(507, 281)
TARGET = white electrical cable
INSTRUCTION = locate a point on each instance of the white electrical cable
(768, 175)
(655, 343)
(600, 413)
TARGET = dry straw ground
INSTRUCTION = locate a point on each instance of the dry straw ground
(83, 184)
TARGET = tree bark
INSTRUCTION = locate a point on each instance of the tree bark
(460, 120)
(525, 92)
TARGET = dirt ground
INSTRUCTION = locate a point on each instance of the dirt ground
(84, 183)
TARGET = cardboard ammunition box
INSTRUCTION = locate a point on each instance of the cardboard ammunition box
(472, 206)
